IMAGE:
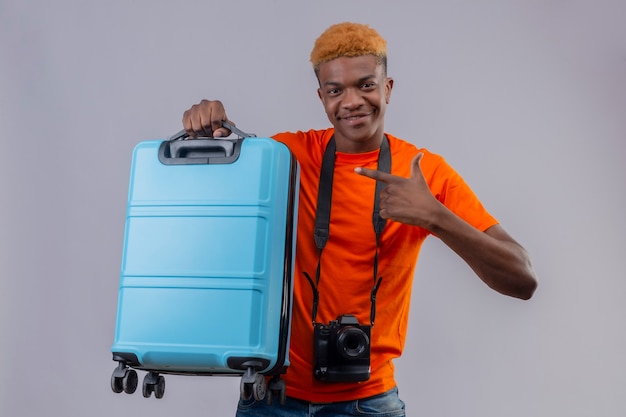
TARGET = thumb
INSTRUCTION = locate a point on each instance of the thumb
(416, 168)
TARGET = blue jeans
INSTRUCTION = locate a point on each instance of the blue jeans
(387, 404)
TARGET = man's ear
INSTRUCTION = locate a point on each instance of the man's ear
(319, 94)
(388, 88)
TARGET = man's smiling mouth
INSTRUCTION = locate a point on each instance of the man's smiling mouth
(355, 117)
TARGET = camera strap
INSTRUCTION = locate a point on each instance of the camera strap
(322, 217)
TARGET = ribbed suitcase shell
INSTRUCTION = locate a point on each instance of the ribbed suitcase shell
(206, 276)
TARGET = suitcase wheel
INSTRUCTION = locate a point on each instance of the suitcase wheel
(153, 382)
(276, 387)
(124, 379)
(253, 385)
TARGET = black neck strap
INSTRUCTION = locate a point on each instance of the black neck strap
(322, 217)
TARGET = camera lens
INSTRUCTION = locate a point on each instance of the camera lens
(352, 342)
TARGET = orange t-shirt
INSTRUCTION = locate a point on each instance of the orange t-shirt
(346, 277)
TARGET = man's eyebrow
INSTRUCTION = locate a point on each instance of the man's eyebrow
(366, 78)
(358, 82)
(332, 83)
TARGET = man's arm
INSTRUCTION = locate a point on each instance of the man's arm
(497, 259)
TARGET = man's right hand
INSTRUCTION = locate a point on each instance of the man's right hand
(205, 119)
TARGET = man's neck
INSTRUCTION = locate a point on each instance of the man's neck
(345, 145)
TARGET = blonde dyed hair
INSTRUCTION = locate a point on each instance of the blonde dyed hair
(349, 40)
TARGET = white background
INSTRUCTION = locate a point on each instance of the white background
(526, 99)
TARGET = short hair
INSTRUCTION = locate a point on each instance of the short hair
(349, 40)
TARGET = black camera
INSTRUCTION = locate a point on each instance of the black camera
(342, 350)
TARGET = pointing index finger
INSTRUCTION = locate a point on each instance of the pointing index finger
(374, 174)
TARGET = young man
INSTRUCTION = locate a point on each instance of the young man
(364, 266)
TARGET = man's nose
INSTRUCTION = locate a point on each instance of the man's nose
(351, 99)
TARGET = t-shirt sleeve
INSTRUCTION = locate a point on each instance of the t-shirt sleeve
(299, 143)
(452, 191)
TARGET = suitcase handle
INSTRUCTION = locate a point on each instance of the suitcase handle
(201, 148)
(178, 151)
(199, 151)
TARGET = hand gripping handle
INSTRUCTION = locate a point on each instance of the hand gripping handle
(183, 135)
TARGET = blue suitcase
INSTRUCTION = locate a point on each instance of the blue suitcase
(206, 274)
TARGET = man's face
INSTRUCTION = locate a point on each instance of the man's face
(355, 93)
